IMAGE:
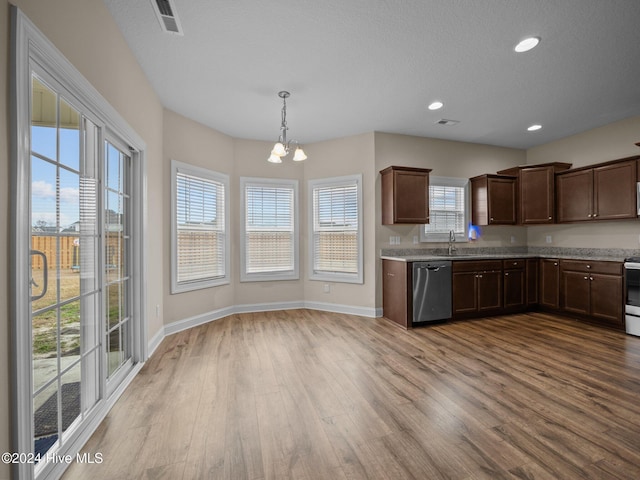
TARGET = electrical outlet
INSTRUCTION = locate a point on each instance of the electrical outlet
(513, 239)
(327, 288)
(549, 239)
(415, 239)
(158, 311)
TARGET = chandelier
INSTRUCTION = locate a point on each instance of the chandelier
(281, 148)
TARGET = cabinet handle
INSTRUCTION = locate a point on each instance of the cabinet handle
(595, 214)
(591, 278)
(589, 215)
(588, 266)
(506, 274)
(391, 274)
(549, 218)
(586, 278)
(555, 264)
(491, 219)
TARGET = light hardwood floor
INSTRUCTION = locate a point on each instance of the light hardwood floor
(312, 395)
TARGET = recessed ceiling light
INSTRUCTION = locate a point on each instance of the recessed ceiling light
(527, 44)
(533, 128)
(435, 105)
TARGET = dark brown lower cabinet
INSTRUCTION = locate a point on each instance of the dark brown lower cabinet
(594, 290)
(397, 300)
(532, 269)
(514, 284)
(549, 283)
(477, 287)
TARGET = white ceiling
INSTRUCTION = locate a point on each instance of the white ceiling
(355, 66)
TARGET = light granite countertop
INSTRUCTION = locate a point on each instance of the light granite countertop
(497, 253)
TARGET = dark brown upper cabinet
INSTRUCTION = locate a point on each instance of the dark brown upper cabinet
(493, 200)
(405, 195)
(605, 191)
(536, 191)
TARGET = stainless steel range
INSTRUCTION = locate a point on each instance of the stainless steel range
(632, 295)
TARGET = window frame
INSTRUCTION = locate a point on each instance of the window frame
(179, 287)
(293, 274)
(339, 277)
(464, 183)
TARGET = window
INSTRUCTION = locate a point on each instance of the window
(336, 229)
(199, 224)
(448, 210)
(269, 230)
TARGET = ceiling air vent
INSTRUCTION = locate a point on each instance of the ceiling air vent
(444, 121)
(166, 13)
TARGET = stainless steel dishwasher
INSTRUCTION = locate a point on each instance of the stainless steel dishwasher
(431, 291)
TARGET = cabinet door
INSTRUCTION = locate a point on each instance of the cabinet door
(607, 298)
(537, 195)
(550, 283)
(575, 292)
(489, 290)
(514, 291)
(502, 201)
(395, 291)
(614, 191)
(465, 298)
(532, 281)
(575, 196)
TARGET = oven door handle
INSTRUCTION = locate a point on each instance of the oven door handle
(632, 266)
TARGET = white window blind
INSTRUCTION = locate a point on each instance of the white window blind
(270, 233)
(200, 228)
(447, 208)
(337, 237)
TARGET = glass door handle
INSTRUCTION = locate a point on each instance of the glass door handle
(45, 269)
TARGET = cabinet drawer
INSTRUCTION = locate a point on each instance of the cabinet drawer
(612, 268)
(514, 264)
(477, 265)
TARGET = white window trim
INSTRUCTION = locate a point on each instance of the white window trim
(268, 276)
(336, 277)
(444, 237)
(176, 287)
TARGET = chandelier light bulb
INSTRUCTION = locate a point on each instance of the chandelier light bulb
(274, 159)
(279, 150)
(299, 155)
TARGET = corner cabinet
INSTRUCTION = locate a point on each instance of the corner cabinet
(606, 191)
(405, 195)
(493, 200)
(536, 191)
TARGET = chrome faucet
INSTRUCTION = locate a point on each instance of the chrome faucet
(452, 239)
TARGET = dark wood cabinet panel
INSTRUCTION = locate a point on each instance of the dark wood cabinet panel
(614, 191)
(603, 192)
(550, 283)
(477, 287)
(532, 269)
(489, 291)
(405, 195)
(575, 292)
(493, 199)
(607, 298)
(514, 285)
(465, 299)
(593, 290)
(397, 301)
(575, 196)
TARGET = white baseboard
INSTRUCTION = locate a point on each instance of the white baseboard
(196, 320)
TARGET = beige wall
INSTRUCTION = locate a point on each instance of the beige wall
(446, 159)
(97, 49)
(610, 142)
(333, 158)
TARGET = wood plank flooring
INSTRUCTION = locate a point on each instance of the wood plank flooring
(303, 394)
